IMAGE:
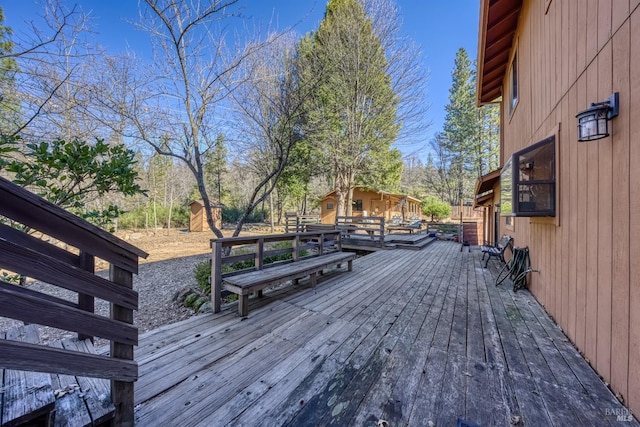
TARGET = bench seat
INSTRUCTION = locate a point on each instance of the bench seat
(247, 283)
(497, 250)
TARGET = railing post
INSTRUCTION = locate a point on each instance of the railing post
(122, 392)
(216, 275)
(86, 302)
(296, 244)
(382, 229)
(259, 254)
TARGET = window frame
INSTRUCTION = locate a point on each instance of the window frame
(513, 82)
(518, 183)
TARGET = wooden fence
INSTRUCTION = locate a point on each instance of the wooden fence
(25, 254)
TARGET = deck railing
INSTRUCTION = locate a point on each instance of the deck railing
(295, 223)
(30, 255)
(372, 227)
(257, 251)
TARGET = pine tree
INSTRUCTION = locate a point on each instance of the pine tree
(461, 124)
(353, 116)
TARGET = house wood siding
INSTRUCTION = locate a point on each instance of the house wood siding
(570, 55)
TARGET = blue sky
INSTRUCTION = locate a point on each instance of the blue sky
(439, 27)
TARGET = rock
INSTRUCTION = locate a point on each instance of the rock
(205, 308)
(182, 294)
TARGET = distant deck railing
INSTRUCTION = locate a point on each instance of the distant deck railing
(25, 254)
(295, 223)
(372, 227)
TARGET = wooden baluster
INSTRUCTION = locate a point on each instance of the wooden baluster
(86, 302)
(216, 275)
(121, 391)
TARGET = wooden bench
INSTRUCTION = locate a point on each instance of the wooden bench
(310, 253)
(497, 250)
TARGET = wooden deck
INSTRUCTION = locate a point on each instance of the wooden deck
(409, 337)
(391, 241)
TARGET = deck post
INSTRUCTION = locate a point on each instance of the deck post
(296, 247)
(216, 275)
(86, 302)
(259, 254)
(122, 392)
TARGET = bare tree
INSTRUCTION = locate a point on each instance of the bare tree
(177, 103)
(52, 70)
(270, 105)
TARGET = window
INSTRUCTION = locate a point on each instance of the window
(513, 83)
(357, 205)
(329, 206)
(529, 187)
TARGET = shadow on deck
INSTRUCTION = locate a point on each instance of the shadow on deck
(408, 337)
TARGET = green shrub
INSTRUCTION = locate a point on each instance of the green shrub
(190, 299)
(232, 214)
(143, 216)
(201, 273)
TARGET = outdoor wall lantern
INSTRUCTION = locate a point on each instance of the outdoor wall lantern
(593, 122)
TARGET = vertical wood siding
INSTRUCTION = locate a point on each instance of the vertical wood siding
(589, 260)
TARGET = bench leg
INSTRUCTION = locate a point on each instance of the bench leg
(314, 279)
(487, 261)
(350, 265)
(296, 282)
(243, 305)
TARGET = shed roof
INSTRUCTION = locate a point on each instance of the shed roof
(214, 203)
(498, 24)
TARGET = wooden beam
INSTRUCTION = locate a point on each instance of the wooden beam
(26, 208)
(18, 305)
(87, 302)
(28, 241)
(122, 392)
(32, 357)
(25, 261)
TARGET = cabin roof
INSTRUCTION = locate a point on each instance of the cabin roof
(498, 24)
(409, 198)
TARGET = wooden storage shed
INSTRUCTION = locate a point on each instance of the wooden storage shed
(198, 217)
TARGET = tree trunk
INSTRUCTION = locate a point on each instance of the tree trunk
(271, 210)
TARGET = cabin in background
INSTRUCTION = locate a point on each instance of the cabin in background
(375, 203)
(570, 202)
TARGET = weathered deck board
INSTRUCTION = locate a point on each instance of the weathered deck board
(409, 337)
(25, 395)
